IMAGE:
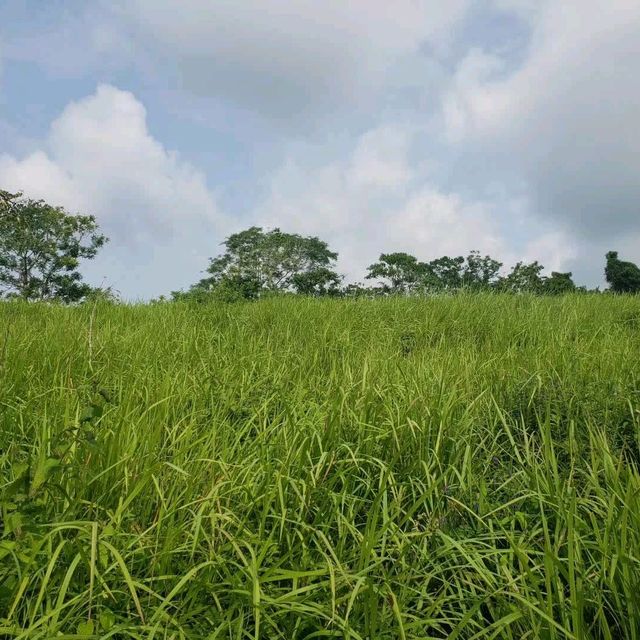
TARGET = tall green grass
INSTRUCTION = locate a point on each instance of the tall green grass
(461, 467)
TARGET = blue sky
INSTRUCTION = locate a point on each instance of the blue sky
(508, 126)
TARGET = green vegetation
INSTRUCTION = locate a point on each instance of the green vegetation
(448, 467)
(623, 277)
(257, 262)
(40, 250)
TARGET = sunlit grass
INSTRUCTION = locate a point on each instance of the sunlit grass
(460, 467)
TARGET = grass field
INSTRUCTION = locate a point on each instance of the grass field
(461, 467)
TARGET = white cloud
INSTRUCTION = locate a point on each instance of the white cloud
(285, 58)
(101, 158)
(569, 118)
(373, 202)
(380, 161)
(433, 223)
(468, 104)
(40, 177)
(554, 249)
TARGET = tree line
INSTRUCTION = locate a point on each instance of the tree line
(41, 248)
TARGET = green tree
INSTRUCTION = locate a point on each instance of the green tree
(356, 290)
(403, 273)
(480, 272)
(523, 278)
(7, 198)
(445, 273)
(622, 277)
(558, 283)
(321, 281)
(257, 262)
(399, 272)
(40, 250)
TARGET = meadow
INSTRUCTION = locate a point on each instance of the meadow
(454, 467)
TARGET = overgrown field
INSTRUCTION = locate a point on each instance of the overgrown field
(461, 467)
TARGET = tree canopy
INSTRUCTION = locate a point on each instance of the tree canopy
(398, 272)
(558, 283)
(6, 199)
(480, 272)
(404, 273)
(523, 277)
(40, 250)
(623, 277)
(257, 262)
(42, 246)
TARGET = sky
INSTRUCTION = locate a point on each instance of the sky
(436, 128)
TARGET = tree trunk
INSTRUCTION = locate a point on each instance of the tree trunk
(24, 278)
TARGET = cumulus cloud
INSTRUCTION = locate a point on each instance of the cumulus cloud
(568, 118)
(40, 177)
(100, 158)
(373, 201)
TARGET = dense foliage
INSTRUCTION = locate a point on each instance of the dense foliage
(404, 273)
(40, 250)
(453, 467)
(623, 277)
(256, 262)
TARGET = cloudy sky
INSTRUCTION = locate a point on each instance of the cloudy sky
(508, 126)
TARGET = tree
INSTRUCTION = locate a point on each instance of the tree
(356, 290)
(445, 273)
(400, 272)
(480, 272)
(317, 282)
(403, 273)
(40, 250)
(257, 262)
(523, 278)
(558, 283)
(7, 198)
(623, 277)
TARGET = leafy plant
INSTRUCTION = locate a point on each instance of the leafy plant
(452, 467)
(40, 250)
